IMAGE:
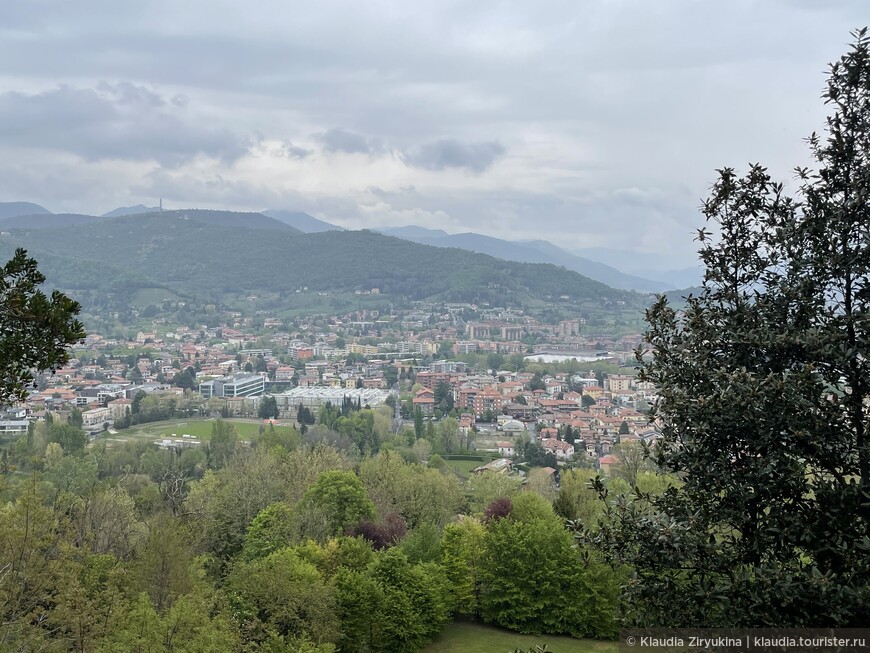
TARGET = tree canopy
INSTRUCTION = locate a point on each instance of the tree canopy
(763, 386)
(35, 329)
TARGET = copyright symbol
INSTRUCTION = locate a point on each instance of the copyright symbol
(629, 640)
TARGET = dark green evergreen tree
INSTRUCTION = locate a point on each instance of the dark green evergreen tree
(763, 383)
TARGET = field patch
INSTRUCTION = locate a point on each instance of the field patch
(477, 638)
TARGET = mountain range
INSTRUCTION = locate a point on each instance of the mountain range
(537, 251)
(227, 257)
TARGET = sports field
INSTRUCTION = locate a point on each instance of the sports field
(198, 428)
(477, 638)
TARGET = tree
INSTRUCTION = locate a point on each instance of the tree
(443, 396)
(418, 422)
(763, 383)
(75, 418)
(222, 443)
(416, 599)
(577, 499)
(632, 460)
(36, 329)
(283, 596)
(72, 439)
(137, 402)
(485, 488)
(448, 434)
(186, 378)
(533, 580)
(461, 553)
(268, 408)
(342, 497)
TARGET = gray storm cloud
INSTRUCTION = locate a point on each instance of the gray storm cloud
(451, 153)
(596, 122)
(340, 140)
(113, 121)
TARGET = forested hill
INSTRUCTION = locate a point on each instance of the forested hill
(212, 253)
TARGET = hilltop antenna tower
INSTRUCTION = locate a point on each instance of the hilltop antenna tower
(161, 205)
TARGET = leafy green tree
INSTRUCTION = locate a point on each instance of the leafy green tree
(274, 528)
(36, 329)
(530, 506)
(75, 418)
(343, 499)
(223, 503)
(577, 500)
(418, 422)
(448, 434)
(443, 396)
(534, 581)
(283, 596)
(268, 408)
(163, 560)
(763, 384)
(222, 443)
(73, 440)
(416, 599)
(137, 402)
(485, 488)
(462, 548)
(359, 600)
(185, 378)
(32, 564)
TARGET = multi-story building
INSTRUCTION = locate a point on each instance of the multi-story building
(618, 382)
(238, 385)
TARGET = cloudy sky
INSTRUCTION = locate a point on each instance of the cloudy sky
(588, 123)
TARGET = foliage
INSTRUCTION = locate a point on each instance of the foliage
(763, 392)
(498, 509)
(487, 487)
(578, 501)
(154, 251)
(71, 439)
(268, 408)
(385, 533)
(274, 528)
(222, 443)
(534, 581)
(342, 497)
(37, 329)
(283, 595)
(416, 597)
(462, 549)
(418, 494)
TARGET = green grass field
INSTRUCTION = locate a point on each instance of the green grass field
(477, 638)
(462, 468)
(199, 428)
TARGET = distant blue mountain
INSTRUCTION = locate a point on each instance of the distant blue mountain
(412, 232)
(15, 209)
(130, 210)
(538, 251)
(302, 221)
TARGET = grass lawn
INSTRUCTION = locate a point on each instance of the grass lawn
(477, 638)
(198, 428)
(462, 468)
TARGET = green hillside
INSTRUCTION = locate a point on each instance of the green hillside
(216, 254)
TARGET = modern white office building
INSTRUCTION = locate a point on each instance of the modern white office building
(237, 385)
